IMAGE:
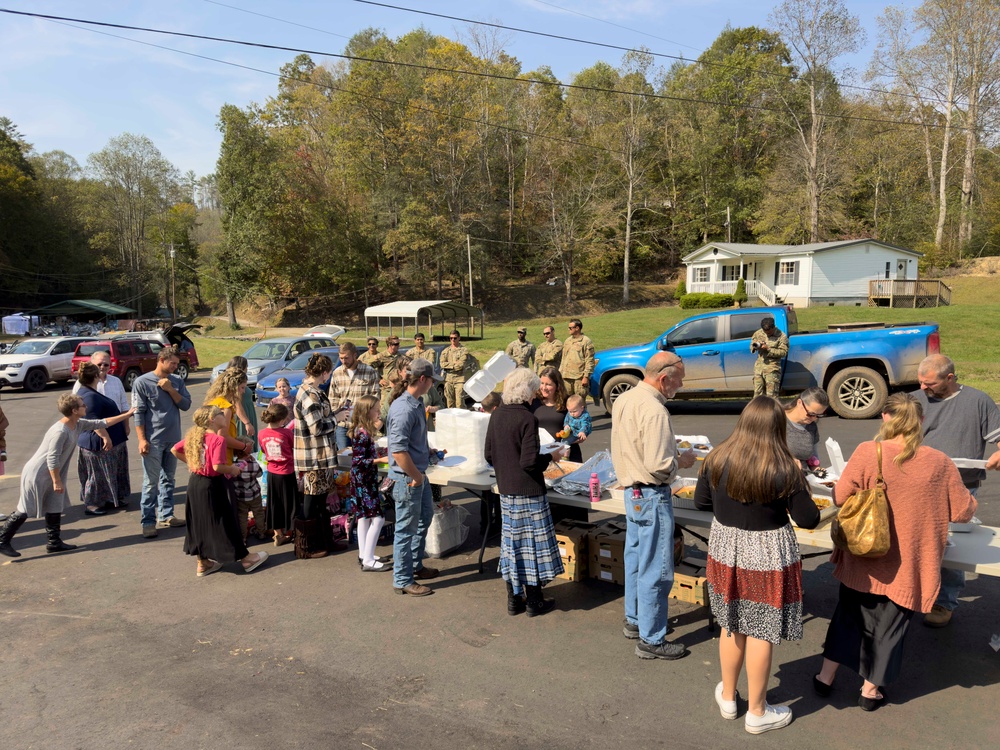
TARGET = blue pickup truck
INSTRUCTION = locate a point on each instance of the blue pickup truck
(855, 363)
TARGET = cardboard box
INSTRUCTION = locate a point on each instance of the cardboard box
(573, 569)
(607, 544)
(608, 572)
(572, 536)
(690, 584)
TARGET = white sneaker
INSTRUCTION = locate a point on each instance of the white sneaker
(726, 708)
(775, 717)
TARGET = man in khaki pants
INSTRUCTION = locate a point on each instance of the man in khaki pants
(577, 361)
(454, 360)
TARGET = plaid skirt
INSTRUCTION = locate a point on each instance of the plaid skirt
(529, 555)
(755, 582)
(104, 476)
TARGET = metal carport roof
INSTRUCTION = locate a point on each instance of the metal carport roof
(423, 312)
(82, 307)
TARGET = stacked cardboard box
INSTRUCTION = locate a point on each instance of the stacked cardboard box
(607, 552)
(690, 584)
(571, 536)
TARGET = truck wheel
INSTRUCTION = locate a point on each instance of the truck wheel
(130, 377)
(615, 387)
(857, 393)
(35, 380)
(182, 370)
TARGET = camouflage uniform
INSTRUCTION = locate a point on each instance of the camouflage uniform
(426, 353)
(372, 360)
(577, 363)
(548, 354)
(454, 361)
(767, 368)
(523, 354)
(391, 372)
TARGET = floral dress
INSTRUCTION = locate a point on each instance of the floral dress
(364, 476)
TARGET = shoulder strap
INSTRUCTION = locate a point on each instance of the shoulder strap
(878, 453)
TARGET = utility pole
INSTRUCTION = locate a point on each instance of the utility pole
(468, 251)
(729, 226)
(173, 286)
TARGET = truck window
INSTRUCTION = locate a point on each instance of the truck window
(793, 322)
(696, 332)
(743, 326)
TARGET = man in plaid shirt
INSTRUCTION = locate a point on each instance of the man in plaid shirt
(352, 380)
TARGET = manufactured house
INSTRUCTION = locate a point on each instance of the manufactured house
(866, 273)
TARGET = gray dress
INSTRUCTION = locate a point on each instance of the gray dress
(56, 451)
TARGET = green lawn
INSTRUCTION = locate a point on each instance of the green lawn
(967, 335)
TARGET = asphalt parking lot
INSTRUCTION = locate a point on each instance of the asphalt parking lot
(118, 644)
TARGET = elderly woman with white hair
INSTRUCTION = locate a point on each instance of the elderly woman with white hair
(529, 555)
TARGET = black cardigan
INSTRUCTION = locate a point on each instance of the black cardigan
(512, 447)
(755, 517)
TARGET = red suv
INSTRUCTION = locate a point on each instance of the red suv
(131, 357)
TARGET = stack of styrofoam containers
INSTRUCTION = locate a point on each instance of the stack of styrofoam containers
(483, 382)
(463, 434)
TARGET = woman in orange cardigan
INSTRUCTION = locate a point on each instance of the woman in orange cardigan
(878, 596)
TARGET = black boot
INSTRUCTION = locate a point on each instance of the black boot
(10, 527)
(535, 604)
(515, 603)
(53, 523)
(306, 547)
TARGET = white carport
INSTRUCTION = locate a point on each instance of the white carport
(404, 319)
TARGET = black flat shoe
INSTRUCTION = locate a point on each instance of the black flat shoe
(98, 512)
(822, 689)
(870, 704)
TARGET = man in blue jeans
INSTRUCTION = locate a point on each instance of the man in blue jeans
(644, 454)
(159, 397)
(959, 421)
(406, 428)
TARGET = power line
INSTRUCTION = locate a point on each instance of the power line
(275, 18)
(607, 45)
(455, 71)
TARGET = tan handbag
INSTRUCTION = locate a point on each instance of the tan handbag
(862, 525)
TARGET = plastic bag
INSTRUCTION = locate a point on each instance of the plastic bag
(578, 482)
(447, 531)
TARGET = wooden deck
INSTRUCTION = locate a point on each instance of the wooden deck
(915, 293)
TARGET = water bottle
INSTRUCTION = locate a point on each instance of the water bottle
(595, 488)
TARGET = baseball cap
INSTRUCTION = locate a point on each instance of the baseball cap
(522, 329)
(419, 368)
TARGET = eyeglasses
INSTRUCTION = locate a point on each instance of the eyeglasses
(453, 338)
(548, 333)
(810, 414)
(393, 343)
(573, 328)
(372, 343)
(105, 365)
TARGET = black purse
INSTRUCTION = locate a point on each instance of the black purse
(388, 501)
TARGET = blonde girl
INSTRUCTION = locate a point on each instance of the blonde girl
(364, 479)
(213, 533)
(284, 398)
(227, 394)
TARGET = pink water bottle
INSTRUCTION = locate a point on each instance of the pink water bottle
(595, 488)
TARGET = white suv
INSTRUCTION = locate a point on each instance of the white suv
(32, 363)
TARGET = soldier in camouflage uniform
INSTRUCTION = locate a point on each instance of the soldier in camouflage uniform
(393, 364)
(454, 361)
(420, 351)
(771, 346)
(577, 361)
(522, 351)
(372, 357)
(549, 352)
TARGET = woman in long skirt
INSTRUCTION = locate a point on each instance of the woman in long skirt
(213, 533)
(43, 479)
(104, 475)
(750, 481)
(529, 554)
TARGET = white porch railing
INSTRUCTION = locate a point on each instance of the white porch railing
(754, 289)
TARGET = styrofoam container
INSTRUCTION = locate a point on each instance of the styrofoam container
(480, 385)
(463, 434)
(500, 366)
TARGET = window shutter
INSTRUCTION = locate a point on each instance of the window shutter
(777, 268)
(795, 275)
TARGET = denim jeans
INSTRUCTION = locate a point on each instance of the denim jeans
(952, 581)
(414, 513)
(649, 561)
(158, 469)
(342, 440)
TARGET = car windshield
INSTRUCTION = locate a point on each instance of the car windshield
(264, 350)
(85, 350)
(31, 347)
(299, 363)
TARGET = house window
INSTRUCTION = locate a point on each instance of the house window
(788, 272)
(701, 275)
(730, 273)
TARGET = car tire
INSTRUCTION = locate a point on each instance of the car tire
(130, 378)
(615, 387)
(857, 393)
(182, 370)
(35, 380)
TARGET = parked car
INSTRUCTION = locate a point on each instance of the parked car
(856, 365)
(295, 372)
(269, 355)
(129, 359)
(32, 363)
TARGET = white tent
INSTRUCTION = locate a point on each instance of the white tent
(19, 324)
(404, 319)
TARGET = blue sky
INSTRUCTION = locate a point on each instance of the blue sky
(72, 89)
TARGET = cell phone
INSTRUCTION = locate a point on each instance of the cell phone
(346, 404)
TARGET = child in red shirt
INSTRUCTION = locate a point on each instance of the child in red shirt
(277, 441)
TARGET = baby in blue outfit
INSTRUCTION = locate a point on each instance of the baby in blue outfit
(577, 420)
